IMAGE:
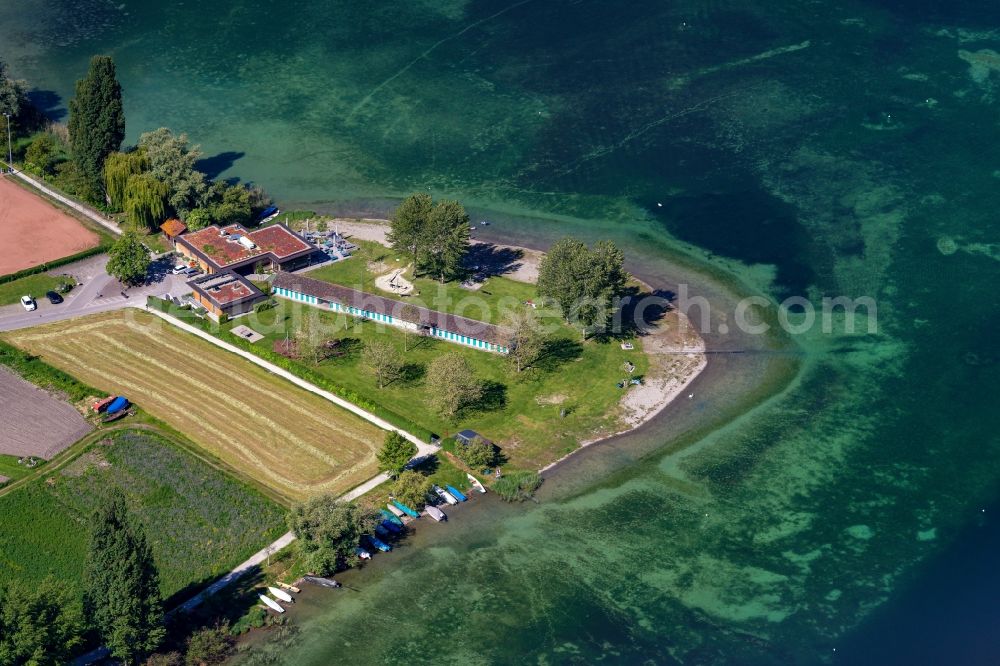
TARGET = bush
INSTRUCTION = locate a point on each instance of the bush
(478, 454)
(266, 305)
(411, 489)
(517, 486)
(209, 646)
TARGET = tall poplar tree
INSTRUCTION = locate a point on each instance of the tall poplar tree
(122, 586)
(96, 119)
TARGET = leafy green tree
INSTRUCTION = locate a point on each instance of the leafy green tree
(121, 583)
(522, 336)
(232, 205)
(211, 645)
(145, 201)
(199, 218)
(411, 489)
(452, 385)
(329, 530)
(383, 360)
(408, 224)
(445, 240)
(96, 119)
(478, 454)
(583, 282)
(118, 168)
(42, 154)
(128, 259)
(395, 453)
(39, 624)
(171, 161)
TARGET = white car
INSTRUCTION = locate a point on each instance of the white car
(179, 268)
(28, 303)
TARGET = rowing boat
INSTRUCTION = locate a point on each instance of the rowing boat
(405, 509)
(475, 483)
(280, 594)
(271, 603)
(445, 495)
(435, 513)
(456, 492)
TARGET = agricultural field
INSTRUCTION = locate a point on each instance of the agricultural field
(264, 427)
(34, 422)
(200, 521)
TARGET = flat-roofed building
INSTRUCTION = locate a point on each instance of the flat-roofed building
(233, 248)
(460, 330)
(226, 293)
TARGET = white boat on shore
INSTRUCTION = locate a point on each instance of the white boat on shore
(435, 513)
(475, 483)
(444, 494)
(395, 510)
(271, 603)
(280, 594)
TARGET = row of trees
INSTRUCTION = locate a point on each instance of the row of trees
(434, 235)
(158, 178)
(149, 182)
(47, 623)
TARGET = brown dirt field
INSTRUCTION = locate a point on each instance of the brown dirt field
(288, 439)
(33, 422)
(33, 231)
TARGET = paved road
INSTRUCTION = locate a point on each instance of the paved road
(97, 292)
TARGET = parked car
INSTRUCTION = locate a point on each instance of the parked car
(191, 271)
(28, 303)
(54, 298)
(180, 268)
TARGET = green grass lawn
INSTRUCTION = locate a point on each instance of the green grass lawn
(487, 303)
(200, 521)
(33, 285)
(523, 413)
(12, 470)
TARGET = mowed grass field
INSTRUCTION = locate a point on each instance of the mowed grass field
(200, 521)
(263, 426)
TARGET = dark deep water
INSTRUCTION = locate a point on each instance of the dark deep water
(820, 505)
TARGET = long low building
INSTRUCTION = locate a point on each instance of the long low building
(468, 332)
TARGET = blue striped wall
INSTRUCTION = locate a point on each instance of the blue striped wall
(457, 338)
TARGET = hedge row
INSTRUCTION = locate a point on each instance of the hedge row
(48, 266)
(295, 368)
(41, 374)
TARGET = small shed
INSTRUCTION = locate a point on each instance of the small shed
(466, 436)
(173, 228)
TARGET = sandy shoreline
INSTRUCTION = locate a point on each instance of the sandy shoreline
(675, 350)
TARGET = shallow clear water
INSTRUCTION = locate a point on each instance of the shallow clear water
(796, 148)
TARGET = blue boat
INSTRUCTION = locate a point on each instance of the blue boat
(391, 526)
(405, 509)
(381, 531)
(391, 518)
(267, 212)
(378, 543)
(118, 404)
(457, 493)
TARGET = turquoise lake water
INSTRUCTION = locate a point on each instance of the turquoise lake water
(822, 494)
